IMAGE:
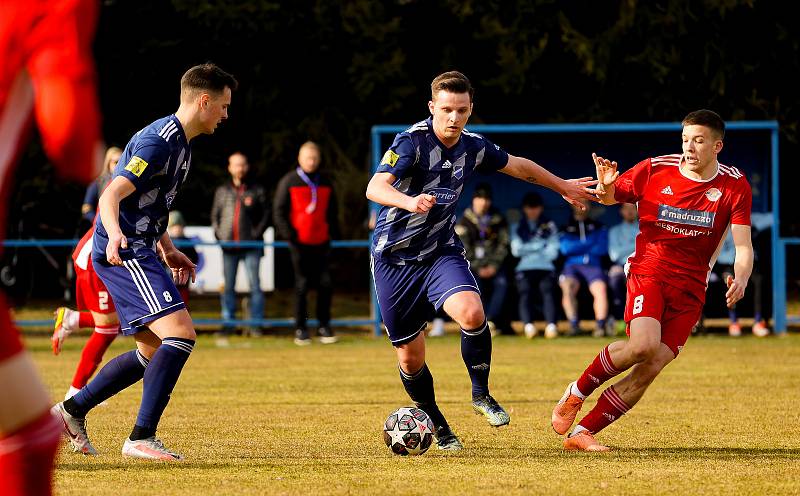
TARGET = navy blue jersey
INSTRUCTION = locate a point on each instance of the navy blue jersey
(422, 164)
(156, 160)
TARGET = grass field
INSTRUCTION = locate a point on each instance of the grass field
(267, 417)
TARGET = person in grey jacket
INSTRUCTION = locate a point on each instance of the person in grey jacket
(534, 240)
(240, 213)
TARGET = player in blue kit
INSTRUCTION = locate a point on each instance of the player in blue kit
(418, 262)
(130, 229)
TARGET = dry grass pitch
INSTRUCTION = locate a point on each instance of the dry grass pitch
(267, 417)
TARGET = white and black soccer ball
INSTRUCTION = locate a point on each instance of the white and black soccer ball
(408, 431)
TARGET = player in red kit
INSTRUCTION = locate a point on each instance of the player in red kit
(687, 203)
(47, 72)
(95, 311)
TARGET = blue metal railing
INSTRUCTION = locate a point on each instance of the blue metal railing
(355, 243)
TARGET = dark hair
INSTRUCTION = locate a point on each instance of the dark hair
(483, 190)
(532, 200)
(706, 118)
(208, 77)
(453, 82)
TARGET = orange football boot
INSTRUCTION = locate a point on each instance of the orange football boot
(565, 411)
(583, 441)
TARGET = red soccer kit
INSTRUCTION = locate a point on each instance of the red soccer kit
(47, 71)
(682, 224)
(90, 292)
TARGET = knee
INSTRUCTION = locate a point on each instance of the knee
(472, 317)
(411, 363)
(642, 351)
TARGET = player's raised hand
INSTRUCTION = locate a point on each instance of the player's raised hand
(606, 170)
(579, 189)
(115, 242)
(607, 175)
(735, 291)
(421, 203)
(183, 269)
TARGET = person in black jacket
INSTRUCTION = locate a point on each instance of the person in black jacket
(305, 214)
(240, 213)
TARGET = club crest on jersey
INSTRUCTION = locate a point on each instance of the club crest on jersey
(136, 166)
(458, 171)
(444, 196)
(389, 158)
(713, 194)
(666, 191)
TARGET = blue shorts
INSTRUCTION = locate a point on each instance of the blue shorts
(143, 291)
(409, 295)
(586, 274)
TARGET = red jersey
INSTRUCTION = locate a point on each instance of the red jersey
(47, 72)
(82, 255)
(682, 221)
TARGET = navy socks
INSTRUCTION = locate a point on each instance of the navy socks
(159, 381)
(419, 387)
(123, 371)
(476, 350)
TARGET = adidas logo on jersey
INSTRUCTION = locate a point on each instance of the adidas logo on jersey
(666, 191)
(447, 165)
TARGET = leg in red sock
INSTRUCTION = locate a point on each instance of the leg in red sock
(27, 455)
(92, 354)
(599, 371)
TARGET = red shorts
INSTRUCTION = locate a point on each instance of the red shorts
(90, 292)
(10, 343)
(676, 310)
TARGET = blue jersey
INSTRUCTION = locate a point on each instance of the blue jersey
(422, 164)
(156, 160)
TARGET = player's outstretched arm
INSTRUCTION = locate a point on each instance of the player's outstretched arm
(380, 190)
(742, 264)
(108, 208)
(182, 268)
(572, 190)
(607, 175)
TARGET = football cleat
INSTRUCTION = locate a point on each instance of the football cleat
(150, 449)
(489, 408)
(446, 440)
(61, 329)
(75, 430)
(565, 411)
(583, 441)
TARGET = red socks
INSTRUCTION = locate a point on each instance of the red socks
(85, 320)
(600, 370)
(26, 458)
(93, 352)
(609, 408)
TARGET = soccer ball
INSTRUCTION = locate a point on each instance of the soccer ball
(408, 431)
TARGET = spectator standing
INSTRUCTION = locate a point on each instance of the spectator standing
(621, 245)
(306, 215)
(89, 206)
(534, 240)
(584, 242)
(484, 233)
(240, 213)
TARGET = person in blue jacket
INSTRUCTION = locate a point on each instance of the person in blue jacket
(534, 240)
